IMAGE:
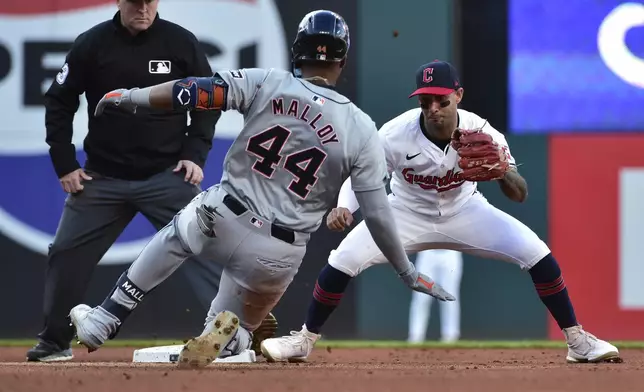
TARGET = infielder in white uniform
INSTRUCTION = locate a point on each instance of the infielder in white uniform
(300, 141)
(445, 266)
(435, 155)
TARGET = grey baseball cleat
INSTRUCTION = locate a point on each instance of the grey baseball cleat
(93, 326)
(201, 351)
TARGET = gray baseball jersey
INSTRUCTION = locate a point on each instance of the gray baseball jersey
(299, 143)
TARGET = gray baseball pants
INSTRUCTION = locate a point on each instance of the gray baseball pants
(259, 259)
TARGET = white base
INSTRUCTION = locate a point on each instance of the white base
(170, 354)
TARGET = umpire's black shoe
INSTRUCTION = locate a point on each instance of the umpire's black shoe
(48, 352)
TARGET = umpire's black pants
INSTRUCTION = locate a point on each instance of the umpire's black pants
(92, 221)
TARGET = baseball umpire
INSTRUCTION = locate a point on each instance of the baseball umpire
(149, 162)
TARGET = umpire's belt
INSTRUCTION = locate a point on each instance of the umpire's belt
(238, 208)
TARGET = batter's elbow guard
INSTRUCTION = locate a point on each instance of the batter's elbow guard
(200, 93)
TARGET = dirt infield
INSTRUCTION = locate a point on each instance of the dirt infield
(336, 370)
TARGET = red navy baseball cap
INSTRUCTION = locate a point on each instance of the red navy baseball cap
(436, 78)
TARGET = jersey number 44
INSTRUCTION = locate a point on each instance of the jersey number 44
(303, 165)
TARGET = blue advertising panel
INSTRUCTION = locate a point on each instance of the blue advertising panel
(576, 65)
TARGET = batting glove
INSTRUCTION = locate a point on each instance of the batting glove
(206, 220)
(424, 284)
(117, 98)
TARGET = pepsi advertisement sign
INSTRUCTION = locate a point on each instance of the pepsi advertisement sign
(35, 37)
(576, 66)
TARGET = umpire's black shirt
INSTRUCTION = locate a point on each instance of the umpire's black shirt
(121, 144)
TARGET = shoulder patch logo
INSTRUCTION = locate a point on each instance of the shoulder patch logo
(62, 75)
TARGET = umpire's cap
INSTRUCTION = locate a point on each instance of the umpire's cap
(321, 36)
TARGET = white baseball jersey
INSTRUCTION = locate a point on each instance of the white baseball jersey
(299, 143)
(425, 178)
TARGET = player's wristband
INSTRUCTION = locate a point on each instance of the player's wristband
(140, 96)
(410, 272)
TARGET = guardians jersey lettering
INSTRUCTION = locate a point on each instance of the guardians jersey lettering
(449, 181)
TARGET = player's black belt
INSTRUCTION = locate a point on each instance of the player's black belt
(238, 208)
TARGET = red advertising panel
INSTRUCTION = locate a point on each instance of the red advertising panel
(597, 229)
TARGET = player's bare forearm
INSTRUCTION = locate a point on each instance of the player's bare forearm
(161, 95)
(514, 186)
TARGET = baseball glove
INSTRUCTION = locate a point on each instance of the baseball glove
(480, 157)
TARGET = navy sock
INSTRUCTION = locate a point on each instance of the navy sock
(131, 291)
(552, 291)
(327, 295)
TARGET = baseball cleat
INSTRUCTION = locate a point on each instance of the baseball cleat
(92, 326)
(48, 352)
(584, 347)
(203, 350)
(266, 330)
(294, 348)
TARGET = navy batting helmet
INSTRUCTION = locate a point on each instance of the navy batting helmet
(321, 36)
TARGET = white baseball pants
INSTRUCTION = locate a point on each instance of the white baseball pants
(446, 267)
(479, 229)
